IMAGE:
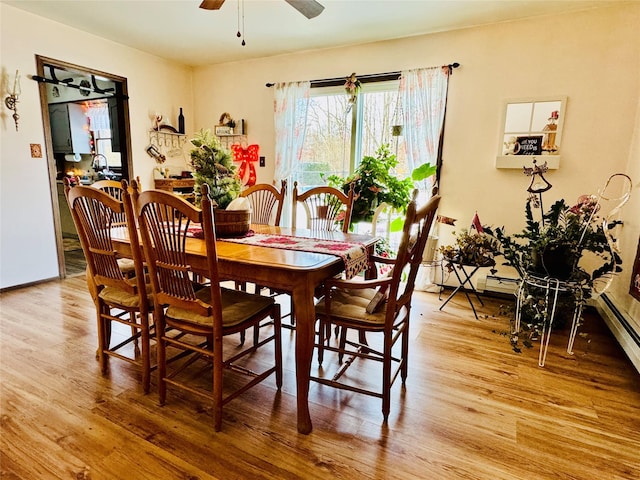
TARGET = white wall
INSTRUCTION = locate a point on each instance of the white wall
(27, 239)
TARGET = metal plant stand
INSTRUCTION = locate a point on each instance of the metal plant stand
(552, 287)
(463, 280)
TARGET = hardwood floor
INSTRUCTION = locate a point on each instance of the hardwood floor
(472, 408)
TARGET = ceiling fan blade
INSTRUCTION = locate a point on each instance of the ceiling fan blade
(309, 8)
(211, 4)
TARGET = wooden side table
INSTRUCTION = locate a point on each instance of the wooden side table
(173, 184)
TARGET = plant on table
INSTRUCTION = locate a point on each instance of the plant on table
(471, 248)
(213, 165)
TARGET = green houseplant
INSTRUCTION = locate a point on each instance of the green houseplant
(374, 185)
(471, 248)
(554, 247)
(212, 164)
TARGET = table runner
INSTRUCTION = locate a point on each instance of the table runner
(354, 255)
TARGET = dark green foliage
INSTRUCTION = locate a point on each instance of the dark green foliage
(212, 164)
(576, 228)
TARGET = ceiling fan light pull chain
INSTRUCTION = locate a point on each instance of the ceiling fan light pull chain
(243, 29)
(238, 34)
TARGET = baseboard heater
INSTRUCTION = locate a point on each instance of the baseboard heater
(625, 333)
(496, 284)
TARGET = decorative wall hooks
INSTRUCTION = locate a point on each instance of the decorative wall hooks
(11, 101)
(166, 138)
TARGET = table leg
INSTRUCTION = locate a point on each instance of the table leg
(305, 331)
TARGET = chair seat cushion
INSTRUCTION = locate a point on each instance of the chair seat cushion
(116, 296)
(126, 265)
(352, 305)
(237, 307)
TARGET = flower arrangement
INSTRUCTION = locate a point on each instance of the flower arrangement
(352, 86)
(471, 248)
(226, 120)
(213, 165)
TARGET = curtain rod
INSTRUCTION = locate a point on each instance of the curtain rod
(374, 77)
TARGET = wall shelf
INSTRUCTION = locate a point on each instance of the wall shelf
(227, 140)
(167, 139)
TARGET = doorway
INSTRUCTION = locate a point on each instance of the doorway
(86, 127)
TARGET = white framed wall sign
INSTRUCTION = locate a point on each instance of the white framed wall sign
(531, 128)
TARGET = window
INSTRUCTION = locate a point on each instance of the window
(338, 136)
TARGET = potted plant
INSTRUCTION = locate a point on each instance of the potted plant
(212, 165)
(374, 184)
(558, 246)
(471, 248)
(555, 245)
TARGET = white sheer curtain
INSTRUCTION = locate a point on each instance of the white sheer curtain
(99, 121)
(291, 105)
(423, 93)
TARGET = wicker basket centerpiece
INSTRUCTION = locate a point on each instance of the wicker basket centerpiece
(235, 220)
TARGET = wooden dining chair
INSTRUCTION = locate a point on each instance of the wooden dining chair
(326, 208)
(114, 188)
(192, 320)
(380, 306)
(119, 298)
(266, 209)
(266, 202)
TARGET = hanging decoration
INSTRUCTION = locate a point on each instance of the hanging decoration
(352, 86)
(398, 117)
(247, 156)
(11, 101)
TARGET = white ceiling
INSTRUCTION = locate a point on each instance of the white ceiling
(181, 31)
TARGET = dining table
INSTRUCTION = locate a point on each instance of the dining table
(295, 271)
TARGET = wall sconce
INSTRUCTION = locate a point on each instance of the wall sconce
(12, 99)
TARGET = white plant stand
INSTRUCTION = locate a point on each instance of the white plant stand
(552, 288)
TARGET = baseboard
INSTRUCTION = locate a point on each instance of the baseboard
(496, 284)
(619, 325)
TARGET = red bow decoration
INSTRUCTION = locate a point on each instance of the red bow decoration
(247, 156)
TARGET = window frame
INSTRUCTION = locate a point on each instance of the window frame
(382, 84)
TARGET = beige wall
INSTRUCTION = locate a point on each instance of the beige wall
(592, 57)
(27, 239)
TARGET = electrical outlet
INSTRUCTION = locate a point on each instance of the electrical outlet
(262, 161)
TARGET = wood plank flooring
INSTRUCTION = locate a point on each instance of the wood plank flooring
(472, 408)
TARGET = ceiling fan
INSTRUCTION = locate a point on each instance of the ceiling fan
(309, 8)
